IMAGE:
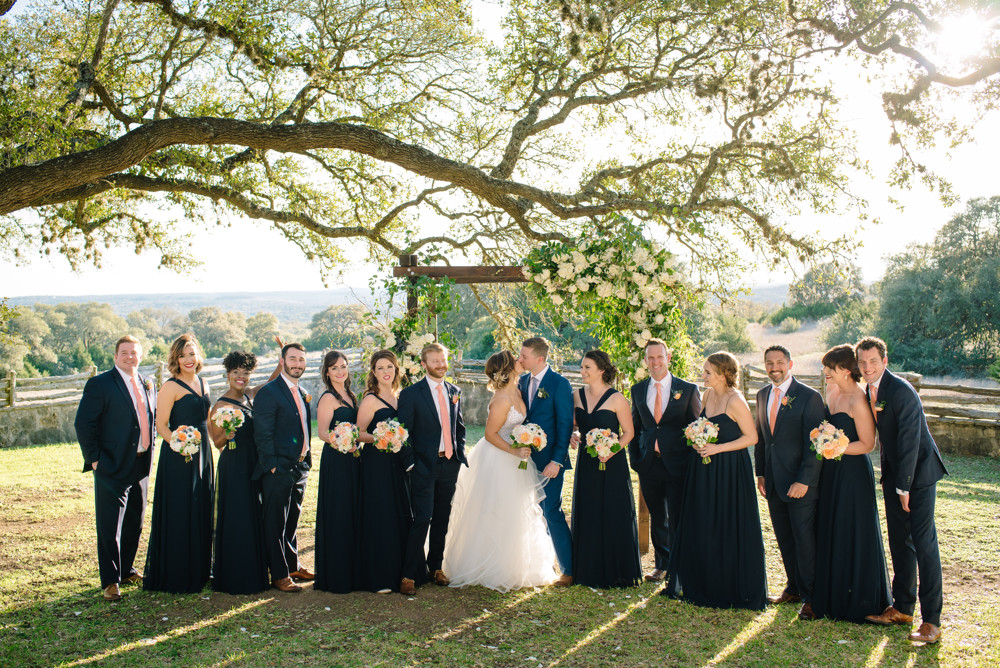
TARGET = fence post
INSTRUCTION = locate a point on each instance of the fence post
(160, 368)
(822, 385)
(12, 388)
(745, 381)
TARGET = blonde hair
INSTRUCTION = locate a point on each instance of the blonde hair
(499, 369)
(177, 349)
(726, 364)
(433, 347)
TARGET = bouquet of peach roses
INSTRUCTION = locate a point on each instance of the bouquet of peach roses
(828, 441)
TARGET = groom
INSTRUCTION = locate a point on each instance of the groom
(911, 467)
(114, 425)
(431, 410)
(549, 399)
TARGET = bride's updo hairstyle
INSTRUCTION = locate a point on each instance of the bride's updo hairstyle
(603, 362)
(500, 369)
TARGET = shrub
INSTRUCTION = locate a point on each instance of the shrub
(854, 320)
(789, 325)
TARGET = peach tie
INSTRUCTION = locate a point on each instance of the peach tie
(774, 408)
(445, 420)
(302, 418)
(657, 412)
(871, 400)
(140, 411)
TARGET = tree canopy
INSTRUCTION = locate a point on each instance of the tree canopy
(373, 128)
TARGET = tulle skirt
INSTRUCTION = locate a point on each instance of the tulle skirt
(497, 536)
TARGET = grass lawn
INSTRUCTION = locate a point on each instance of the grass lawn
(51, 612)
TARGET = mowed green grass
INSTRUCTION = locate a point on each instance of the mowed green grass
(51, 612)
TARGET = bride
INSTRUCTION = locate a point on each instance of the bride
(497, 536)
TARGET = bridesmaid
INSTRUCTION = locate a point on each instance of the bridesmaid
(851, 576)
(339, 483)
(385, 504)
(179, 559)
(605, 534)
(240, 560)
(718, 557)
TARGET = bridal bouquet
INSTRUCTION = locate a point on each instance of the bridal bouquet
(390, 435)
(185, 441)
(828, 441)
(602, 443)
(530, 435)
(344, 436)
(229, 419)
(700, 433)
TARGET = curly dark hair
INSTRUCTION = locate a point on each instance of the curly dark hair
(329, 360)
(239, 359)
(608, 370)
(500, 369)
(843, 356)
(371, 382)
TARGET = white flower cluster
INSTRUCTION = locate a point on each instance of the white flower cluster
(409, 360)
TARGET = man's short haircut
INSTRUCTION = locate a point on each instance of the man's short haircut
(869, 342)
(538, 344)
(128, 338)
(432, 347)
(289, 346)
(656, 342)
(781, 349)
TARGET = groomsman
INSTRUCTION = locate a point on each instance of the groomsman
(911, 467)
(431, 410)
(282, 430)
(788, 472)
(114, 427)
(549, 399)
(662, 406)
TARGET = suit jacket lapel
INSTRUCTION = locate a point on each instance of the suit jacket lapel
(425, 390)
(120, 384)
(641, 388)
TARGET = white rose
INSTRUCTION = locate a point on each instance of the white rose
(526, 272)
(390, 341)
(641, 373)
(622, 292)
(658, 319)
(556, 299)
(567, 271)
(614, 271)
(639, 278)
(638, 340)
(635, 301)
(583, 284)
(604, 290)
(572, 288)
(550, 287)
(646, 335)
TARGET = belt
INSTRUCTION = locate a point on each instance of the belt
(302, 458)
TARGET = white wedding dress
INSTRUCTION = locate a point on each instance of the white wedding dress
(497, 536)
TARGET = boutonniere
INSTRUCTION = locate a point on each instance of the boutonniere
(786, 400)
(542, 394)
(309, 398)
(677, 395)
(880, 406)
(148, 384)
(455, 396)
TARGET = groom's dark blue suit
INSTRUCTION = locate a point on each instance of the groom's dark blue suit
(552, 410)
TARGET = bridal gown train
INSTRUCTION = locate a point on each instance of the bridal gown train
(497, 536)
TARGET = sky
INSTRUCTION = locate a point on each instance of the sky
(970, 168)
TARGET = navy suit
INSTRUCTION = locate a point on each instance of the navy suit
(278, 435)
(432, 476)
(552, 410)
(661, 478)
(107, 428)
(785, 457)
(912, 463)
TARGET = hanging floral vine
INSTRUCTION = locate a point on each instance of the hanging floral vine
(623, 286)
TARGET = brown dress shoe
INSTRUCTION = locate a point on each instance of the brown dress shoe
(286, 584)
(440, 579)
(806, 612)
(889, 617)
(656, 576)
(784, 597)
(303, 574)
(927, 633)
(407, 587)
(111, 592)
(134, 579)
(563, 581)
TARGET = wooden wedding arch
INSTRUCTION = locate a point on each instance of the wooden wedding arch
(408, 268)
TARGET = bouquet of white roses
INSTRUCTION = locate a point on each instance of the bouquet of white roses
(828, 441)
(700, 433)
(530, 435)
(185, 441)
(229, 419)
(343, 438)
(602, 443)
(390, 435)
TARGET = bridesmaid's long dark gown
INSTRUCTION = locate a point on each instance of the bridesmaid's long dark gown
(337, 514)
(179, 558)
(240, 560)
(718, 560)
(385, 513)
(852, 580)
(605, 534)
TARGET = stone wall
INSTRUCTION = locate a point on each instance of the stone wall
(955, 438)
(28, 424)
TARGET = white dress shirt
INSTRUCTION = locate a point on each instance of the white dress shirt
(784, 392)
(665, 383)
(131, 392)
